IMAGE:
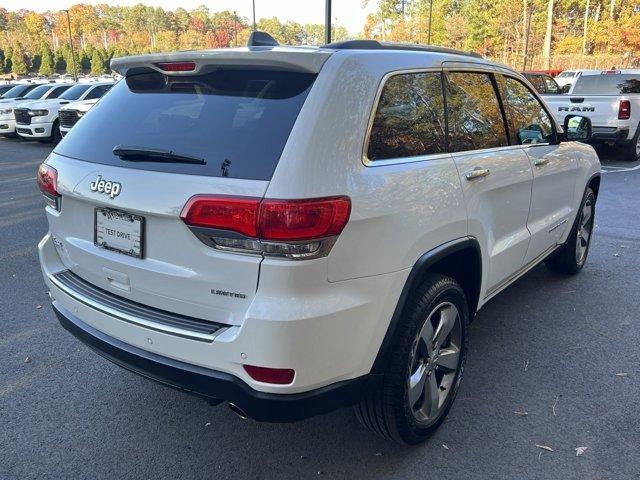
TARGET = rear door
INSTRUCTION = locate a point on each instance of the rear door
(496, 177)
(554, 168)
(119, 227)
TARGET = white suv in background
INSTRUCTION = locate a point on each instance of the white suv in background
(70, 114)
(39, 120)
(21, 95)
(293, 230)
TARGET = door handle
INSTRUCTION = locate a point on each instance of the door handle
(541, 162)
(477, 173)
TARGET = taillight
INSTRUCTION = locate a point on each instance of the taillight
(48, 184)
(624, 110)
(278, 376)
(291, 228)
(236, 214)
(176, 66)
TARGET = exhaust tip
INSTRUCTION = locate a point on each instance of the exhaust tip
(238, 411)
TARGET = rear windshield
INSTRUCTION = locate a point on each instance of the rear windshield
(237, 121)
(567, 73)
(607, 84)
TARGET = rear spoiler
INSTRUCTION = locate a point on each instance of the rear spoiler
(297, 59)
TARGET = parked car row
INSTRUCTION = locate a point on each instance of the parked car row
(32, 111)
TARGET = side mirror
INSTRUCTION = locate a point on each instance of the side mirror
(565, 88)
(577, 128)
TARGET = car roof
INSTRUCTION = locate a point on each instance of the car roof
(306, 59)
(632, 71)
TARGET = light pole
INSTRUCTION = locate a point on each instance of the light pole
(254, 15)
(73, 55)
(430, 17)
(327, 21)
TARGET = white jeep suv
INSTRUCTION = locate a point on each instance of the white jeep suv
(294, 230)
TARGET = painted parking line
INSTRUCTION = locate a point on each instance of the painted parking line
(613, 169)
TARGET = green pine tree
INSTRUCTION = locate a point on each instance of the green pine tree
(47, 64)
(18, 64)
(97, 64)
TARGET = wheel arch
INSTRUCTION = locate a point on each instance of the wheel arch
(460, 259)
(594, 184)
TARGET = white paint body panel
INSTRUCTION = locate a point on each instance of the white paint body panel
(326, 318)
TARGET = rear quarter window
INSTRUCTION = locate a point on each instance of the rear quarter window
(239, 118)
(410, 118)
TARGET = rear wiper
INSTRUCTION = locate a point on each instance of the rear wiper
(143, 154)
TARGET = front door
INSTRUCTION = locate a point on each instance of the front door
(554, 172)
(496, 177)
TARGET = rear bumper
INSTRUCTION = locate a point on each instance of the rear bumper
(610, 134)
(215, 385)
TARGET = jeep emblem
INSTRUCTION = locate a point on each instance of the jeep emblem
(107, 187)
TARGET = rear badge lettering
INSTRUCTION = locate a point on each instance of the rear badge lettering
(107, 187)
(224, 293)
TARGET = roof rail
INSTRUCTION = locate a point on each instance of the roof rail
(376, 45)
(261, 39)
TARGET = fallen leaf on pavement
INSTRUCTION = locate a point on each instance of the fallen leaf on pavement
(521, 413)
(38, 307)
(27, 360)
(545, 447)
(580, 451)
(622, 374)
(444, 445)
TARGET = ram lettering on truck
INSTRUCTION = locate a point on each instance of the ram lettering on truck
(576, 109)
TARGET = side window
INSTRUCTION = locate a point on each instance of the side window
(410, 118)
(530, 122)
(57, 91)
(552, 86)
(538, 83)
(97, 92)
(475, 119)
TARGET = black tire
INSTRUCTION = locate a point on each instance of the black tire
(631, 151)
(387, 411)
(567, 260)
(56, 136)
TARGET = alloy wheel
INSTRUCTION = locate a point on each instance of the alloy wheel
(585, 228)
(435, 362)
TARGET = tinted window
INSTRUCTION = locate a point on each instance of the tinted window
(38, 92)
(243, 117)
(529, 121)
(4, 89)
(409, 120)
(538, 82)
(56, 93)
(18, 91)
(75, 92)
(607, 84)
(552, 86)
(97, 92)
(475, 119)
(566, 74)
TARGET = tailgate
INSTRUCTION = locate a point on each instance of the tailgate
(601, 109)
(177, 272)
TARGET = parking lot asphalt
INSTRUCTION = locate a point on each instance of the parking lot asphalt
(554, 365)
